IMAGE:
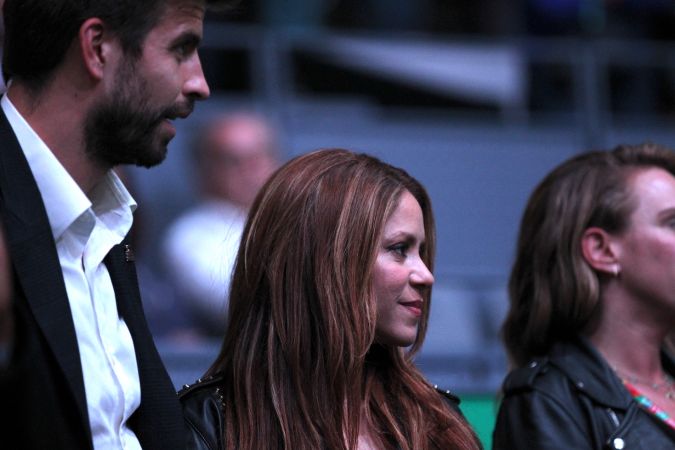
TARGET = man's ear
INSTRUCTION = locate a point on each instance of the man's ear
(600, 251)
(93, 46)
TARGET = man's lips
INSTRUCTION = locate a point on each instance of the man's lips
(180, 111)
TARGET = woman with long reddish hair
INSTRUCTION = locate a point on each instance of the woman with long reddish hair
(329, 302)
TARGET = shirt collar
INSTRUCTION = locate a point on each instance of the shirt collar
(64, 201)
(113, 204)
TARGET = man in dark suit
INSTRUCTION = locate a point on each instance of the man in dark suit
(92, 84)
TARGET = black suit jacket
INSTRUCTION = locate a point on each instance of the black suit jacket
(42, 394)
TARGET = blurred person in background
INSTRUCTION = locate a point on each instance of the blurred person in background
(330, 301)
(92, 85)
(592, 315)
(234, 155)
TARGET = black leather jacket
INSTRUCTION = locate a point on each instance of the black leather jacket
(202, 409)
(203, 412)
(572, 399)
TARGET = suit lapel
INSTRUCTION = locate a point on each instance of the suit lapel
(36, 262)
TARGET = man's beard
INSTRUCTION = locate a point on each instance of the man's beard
(124, 128)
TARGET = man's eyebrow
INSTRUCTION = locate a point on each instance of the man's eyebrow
(188, 38)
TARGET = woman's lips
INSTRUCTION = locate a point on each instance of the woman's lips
(415, 306)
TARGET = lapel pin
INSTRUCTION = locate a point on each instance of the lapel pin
(128, 253)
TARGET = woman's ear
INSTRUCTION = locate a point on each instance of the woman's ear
(600, 251)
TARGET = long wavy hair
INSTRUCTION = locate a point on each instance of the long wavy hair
(554, 293)
(299, 356)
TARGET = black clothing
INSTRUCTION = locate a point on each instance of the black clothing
(42, 387)
(572, 399)
(202, 408)
(203, 413)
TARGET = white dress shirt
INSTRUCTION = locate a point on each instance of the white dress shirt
(85, 229)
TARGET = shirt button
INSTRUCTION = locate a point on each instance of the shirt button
(619, 443)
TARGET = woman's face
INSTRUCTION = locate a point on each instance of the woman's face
(646, 250)
(400, 277)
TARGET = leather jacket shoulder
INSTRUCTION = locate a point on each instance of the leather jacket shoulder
(572, 399)
(450, 399)
(202, 409)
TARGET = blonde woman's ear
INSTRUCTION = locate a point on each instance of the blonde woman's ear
(600, 251)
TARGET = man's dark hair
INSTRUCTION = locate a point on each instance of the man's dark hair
(39, 32)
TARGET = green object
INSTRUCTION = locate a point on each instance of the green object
(481, 412)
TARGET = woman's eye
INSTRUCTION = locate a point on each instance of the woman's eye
(399, 249)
